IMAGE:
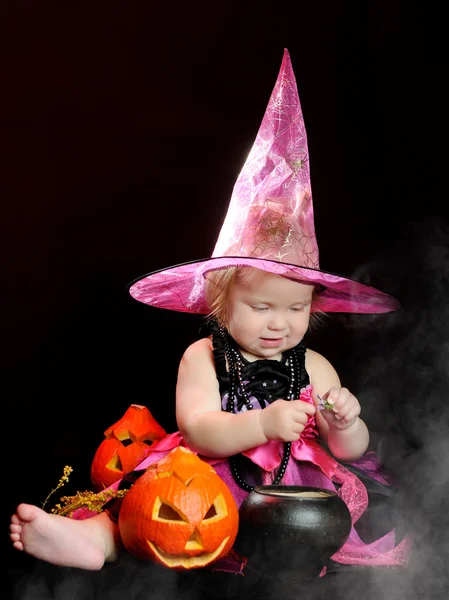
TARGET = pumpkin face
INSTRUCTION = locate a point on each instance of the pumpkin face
(127, 443)
(179, 513)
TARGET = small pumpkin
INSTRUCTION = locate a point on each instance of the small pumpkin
(127, 443)
(179, 513)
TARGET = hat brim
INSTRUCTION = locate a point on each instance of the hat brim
(182, 287)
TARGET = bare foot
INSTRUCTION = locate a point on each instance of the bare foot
(85, 544)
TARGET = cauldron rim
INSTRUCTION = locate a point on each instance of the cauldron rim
(270, 490)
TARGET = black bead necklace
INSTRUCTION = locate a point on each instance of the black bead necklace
(235, 365)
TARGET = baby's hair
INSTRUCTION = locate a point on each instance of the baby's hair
(218, 286)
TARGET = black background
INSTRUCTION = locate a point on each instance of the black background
(123, 129)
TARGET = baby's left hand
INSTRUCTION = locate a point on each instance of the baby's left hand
(341, 408)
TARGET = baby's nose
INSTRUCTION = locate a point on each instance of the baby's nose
(277, 322)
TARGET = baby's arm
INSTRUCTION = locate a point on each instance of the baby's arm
(205, 427)
(341, 428)
(212, 432)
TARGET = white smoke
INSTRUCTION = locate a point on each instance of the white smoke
(402, 365)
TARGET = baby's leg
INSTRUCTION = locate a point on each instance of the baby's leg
(85, 544)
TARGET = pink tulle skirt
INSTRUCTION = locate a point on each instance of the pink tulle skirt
(309, 465)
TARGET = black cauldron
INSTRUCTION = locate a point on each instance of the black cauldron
(291, 528)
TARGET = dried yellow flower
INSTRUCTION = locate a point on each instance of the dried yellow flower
(88, 499)
(64, 479)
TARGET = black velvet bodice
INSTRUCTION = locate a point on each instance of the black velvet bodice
(265, 380)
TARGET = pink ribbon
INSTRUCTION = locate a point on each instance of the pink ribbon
(268, 456)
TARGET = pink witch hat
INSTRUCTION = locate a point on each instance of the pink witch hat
(269, 224)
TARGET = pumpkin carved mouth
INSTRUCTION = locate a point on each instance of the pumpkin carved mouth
(185, 560)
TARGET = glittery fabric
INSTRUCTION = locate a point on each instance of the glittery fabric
(181, 288)
(269, 224)
(382, 552)
(270, 213)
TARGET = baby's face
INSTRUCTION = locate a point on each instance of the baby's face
(268, 314)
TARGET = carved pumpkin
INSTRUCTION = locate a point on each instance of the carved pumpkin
(179, 513)
(127, 443)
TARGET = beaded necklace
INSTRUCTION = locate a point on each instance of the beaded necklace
(235, 365)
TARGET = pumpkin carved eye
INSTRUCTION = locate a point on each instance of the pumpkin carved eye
(115, 464)
(128, 440)
(218, 510)
(168, 513)
(211, 513)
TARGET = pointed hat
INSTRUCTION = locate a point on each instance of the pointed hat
(269, 224)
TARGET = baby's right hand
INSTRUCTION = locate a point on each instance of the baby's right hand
(285, 420)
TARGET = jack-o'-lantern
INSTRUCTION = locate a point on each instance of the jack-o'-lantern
(127, 443)
(179, 513)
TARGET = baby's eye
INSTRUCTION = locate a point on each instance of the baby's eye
(297, 308)
(259, 308)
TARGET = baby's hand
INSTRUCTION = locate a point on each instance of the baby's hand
(285, 420)
(339, 407)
